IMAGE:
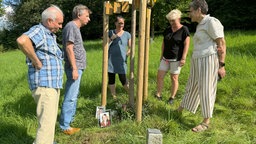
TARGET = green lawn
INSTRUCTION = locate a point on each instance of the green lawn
(233, 121)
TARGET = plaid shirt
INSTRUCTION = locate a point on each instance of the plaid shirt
(48, 52)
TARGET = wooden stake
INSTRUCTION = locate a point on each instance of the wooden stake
(105, 56)
(125, 6)
(132, 54)
(141, 58)
(137, 4)
(108, 9)
(117, 7)
(147, 46)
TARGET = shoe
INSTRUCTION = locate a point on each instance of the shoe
(71, 131)
(171, 101)
(201, 127)
(158, 97)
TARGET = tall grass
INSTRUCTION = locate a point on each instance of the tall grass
(233, 121)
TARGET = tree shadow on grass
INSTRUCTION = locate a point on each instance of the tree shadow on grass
(14, 134)
(14, 83)
(169, 113)
(16, 131)
(23, 107)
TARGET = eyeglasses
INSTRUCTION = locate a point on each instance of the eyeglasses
(120, 23)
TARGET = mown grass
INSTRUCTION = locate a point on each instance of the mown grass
(234, 115)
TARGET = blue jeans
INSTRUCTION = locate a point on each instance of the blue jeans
(70, 99)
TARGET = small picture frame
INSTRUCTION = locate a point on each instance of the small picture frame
(105, 119)
(109, 111)
(110, 114)
(99, 110)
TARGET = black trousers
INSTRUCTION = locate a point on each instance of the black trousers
(112, 78)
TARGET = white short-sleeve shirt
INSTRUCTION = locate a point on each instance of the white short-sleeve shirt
(208, 30)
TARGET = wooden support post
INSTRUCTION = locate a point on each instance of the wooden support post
(147, 46)
(143, 5)
(132, 54)
(105, 56)
(130, 1)
(125, 6)
(137, 4)
(108, 9)
(152, 24)
(117, 7)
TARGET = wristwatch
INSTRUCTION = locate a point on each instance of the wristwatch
(221, 64)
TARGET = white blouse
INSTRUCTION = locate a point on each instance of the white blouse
(208, 30)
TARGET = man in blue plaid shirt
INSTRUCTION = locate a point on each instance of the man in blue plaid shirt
(45, 70)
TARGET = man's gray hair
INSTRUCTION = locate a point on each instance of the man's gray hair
(78, 10)
(202, 4)
(51, 12)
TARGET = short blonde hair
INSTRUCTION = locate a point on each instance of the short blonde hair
(174, 14)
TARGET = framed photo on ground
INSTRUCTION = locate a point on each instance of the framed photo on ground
(99, 110)
(110, 114)
(105, 119)
(109, 111)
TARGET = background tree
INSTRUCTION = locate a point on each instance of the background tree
(29, 12)
(163, 7)
(1, 8)
(6, 33)
(234, 14)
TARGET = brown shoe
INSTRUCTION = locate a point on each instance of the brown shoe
(71, 131)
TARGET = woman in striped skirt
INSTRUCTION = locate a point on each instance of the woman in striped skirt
(207, 63)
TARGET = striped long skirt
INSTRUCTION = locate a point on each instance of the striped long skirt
(202, 85)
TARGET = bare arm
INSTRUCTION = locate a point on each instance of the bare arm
(185, 51)
(72, 59)
(129, 47)
(221, 48)
(26, 46)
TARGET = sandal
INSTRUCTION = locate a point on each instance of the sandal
(201, 127)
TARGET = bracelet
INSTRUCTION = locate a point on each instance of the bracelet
(221, 64)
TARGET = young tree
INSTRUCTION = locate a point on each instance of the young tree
(163, 7)
(1, 8)
(234, 14)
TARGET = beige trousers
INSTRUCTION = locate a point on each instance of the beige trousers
(47, 100)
